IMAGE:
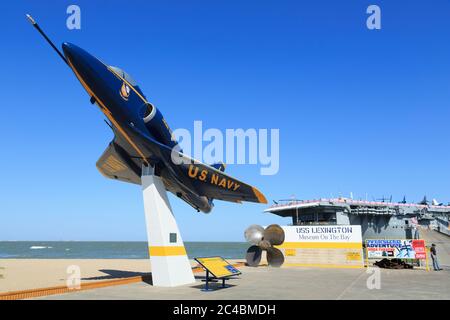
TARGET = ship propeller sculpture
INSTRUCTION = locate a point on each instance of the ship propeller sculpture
(264, 239)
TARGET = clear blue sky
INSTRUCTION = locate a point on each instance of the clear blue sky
(358, 111)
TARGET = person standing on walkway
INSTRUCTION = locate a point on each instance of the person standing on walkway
(434, 257)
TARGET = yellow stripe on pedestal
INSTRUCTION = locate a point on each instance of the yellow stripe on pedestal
(167, 251)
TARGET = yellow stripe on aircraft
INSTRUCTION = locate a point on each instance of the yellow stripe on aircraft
(261, 198)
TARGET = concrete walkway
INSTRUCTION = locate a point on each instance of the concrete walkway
(292, 283)
(442, 243)
(299, 283)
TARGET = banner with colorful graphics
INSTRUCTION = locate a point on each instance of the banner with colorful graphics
(396, 248)
(330, 246)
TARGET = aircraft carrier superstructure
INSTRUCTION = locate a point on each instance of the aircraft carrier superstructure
(378, 219)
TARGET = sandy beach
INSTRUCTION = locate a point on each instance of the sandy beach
(23, 274)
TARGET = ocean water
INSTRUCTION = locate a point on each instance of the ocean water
(111, 249)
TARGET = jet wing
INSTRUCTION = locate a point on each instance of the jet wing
(112, 165)
(215, 184)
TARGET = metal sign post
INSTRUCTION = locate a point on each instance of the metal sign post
(217, 268)
(367, 255)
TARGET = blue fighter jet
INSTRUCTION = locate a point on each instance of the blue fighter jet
(142, 137)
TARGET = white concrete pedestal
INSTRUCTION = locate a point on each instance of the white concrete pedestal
(168, 258)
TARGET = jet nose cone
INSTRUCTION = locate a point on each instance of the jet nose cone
(87, 68)
(78, 59)
(68, 50)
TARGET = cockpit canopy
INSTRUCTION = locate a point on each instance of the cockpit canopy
(124, 75)
(128, 78)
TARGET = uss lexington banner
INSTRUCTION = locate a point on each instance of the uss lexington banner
(338, 246)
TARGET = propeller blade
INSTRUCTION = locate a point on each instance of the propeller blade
(264, 244)
(274, 234)
(254, 234)
(275, 257)
(253, 256)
